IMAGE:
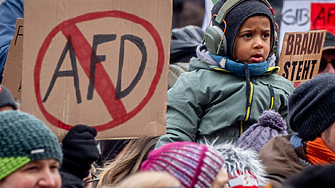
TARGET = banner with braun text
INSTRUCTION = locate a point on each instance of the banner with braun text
(300, 57)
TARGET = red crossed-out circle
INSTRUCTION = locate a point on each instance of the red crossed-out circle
(105, 89)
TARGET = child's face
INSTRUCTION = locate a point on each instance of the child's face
(253, 40)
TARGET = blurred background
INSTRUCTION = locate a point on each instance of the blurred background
(193, 12)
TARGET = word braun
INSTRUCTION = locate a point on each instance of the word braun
(299, 45)
(302, 44)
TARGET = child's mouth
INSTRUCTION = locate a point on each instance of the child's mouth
(257, 58)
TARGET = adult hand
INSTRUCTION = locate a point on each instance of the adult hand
(79, 151)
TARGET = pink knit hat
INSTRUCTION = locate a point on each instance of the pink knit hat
(192, 164)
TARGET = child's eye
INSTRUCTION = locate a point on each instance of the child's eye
(248, 35)
(266, 35)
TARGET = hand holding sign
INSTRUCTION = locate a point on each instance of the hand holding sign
(79, 150)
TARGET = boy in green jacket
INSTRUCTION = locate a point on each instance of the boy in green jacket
(232, 80)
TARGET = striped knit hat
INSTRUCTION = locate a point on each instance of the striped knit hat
(24, 138)
(192, 164)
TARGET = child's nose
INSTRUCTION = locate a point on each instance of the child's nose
(258, 43)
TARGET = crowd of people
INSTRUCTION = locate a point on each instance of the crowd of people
(232, 121)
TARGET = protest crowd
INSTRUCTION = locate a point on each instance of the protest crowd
(231, 120)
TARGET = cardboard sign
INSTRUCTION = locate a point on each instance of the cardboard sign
(306, 15)
(300, 56)
(101, 63)
(13, 68)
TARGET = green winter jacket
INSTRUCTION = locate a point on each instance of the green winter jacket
(210, 102)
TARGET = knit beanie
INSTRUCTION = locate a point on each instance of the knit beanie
(270, 124)
(192, 164)
(237, 16)
(6, 98)
(311, 106)
(24, 138)
(329, 43)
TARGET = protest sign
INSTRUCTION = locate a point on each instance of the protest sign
(100, 63)
(300, 56)
(13, 68)
(306, 15)
(323, 16)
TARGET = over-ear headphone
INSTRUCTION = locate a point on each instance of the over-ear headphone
(215, 38)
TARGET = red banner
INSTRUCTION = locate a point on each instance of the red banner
(323, 16)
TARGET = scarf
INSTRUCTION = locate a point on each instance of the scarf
(318, 153)
(239, 68)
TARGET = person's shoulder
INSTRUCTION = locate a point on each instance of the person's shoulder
(280, 148)
(280, 159)
(278, 77)
(278, 144)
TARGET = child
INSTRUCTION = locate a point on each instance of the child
(221, 96)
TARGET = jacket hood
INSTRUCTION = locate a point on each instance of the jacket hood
(240, 161)
(208, 61)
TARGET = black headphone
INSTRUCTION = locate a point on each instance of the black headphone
(215, 38)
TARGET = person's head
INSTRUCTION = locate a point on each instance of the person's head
(311, 109)
(327, 63)
(188, 12)
(194, 165)
(128, 162)
(241, 163)
(249, 30)
(7, 101)
(30, 154)
(150, 180)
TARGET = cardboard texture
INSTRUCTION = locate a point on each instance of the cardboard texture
(12, 74)
(101, 63)
(300, 55)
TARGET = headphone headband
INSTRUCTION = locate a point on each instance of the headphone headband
(230, 4)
